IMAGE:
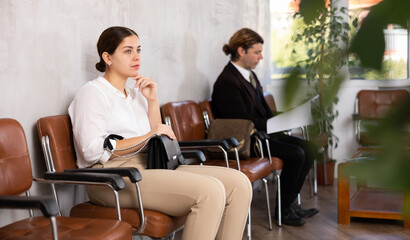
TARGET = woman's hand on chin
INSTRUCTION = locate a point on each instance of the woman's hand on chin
(147, 87)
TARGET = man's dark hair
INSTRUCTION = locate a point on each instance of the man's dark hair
(244, 38)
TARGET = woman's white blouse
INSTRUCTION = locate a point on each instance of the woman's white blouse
(98, 110)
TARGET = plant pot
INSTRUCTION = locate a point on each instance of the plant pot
(330, 170)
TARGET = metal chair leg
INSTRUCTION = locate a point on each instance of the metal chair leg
(310, 180)
(315, 177)
(267, 203)
(171, 236)
(298, 199)
(249, 225)
(279, 199)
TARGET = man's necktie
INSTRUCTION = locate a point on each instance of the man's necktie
(252, 80)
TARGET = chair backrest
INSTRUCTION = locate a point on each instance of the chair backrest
(374, 104)
(59, 131)
(270, 101)
(15, 166)
(207, 107)
(185, 118)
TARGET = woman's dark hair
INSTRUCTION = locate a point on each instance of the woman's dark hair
(109, 41)
(244, 38)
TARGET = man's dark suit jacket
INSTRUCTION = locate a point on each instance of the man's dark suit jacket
(234, 97)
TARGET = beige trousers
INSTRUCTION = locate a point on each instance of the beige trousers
(215, 200)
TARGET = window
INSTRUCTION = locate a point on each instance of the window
(282, 30)
(285, 53)
(395, 61)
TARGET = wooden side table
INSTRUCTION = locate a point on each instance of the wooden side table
(368, 202)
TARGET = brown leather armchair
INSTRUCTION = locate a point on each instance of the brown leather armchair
(186, 120)
(56, 135)
(369, 200)
(370, 107)
(16, 178)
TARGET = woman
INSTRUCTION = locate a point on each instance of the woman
(214, 199)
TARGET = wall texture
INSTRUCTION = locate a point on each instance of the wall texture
(47, 52)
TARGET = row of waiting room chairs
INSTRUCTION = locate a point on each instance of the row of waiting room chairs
(55, 134)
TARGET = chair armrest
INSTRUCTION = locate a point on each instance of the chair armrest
(356, 116)
(115, 180)
(47, 205)
(262, 135)
(266, 135)
(132, 173)
(206, 143)
(232, 142)
(196, 154)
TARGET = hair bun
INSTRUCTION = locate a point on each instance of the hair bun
(100, 66)
(226, 49)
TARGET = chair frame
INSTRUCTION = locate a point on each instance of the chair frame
(45, 142)
(49, 205)
(305, 134)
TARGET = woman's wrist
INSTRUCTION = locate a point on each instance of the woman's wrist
(153, 102)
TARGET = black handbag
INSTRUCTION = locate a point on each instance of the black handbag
(164, 153)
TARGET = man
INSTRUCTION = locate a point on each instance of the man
(237, 93)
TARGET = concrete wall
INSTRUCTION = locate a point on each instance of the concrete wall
(47, 52)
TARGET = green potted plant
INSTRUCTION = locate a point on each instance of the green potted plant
(325, 35)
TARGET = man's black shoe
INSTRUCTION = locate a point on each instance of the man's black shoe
(303, 213)
(290, 218)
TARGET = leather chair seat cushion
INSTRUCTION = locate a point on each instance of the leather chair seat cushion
(277, 163)
(158, 225)
(253, 168)
(68, 228)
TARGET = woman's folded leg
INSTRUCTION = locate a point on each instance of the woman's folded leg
(200, 197)
(238, 198)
